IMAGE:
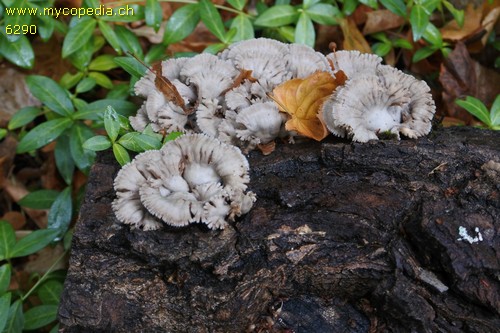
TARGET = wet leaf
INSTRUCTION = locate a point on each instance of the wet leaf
(302, 100)
(381, 20)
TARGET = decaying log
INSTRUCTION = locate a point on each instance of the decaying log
(387, 236)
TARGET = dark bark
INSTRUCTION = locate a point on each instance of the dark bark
(344, 237)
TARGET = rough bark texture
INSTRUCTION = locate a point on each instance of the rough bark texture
(344, 237)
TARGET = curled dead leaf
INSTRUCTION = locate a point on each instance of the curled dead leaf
(302, 100)
(353, 38)
(167, 88)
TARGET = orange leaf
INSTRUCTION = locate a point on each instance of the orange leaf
(472, 22)
(302, 100)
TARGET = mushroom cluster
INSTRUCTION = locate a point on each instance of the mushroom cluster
(194, 178)
(223, 102)
(376, 99)
(226, 96)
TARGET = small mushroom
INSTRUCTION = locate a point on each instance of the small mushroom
(264, 57)
(370, 105)
(303, 61)
(354, 63)
(194, 178)
(210, 75)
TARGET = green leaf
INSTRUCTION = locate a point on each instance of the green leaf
(110, 35)
(111, 123)
(4, 309)
(129, 141)
(82, 157)
(304, 31)
(398, 7)
(5, 272)
(244, 28)
(349, 7)
(131, 65)
(51, 94)
(419, 20)
(238, 4)
(214, 48)
(309, 3)
(23, 19)
(155, 53)
(476, 108)
(77, 36)
(68, 237)
(101, 79)
(39, 316)
(7, 240)
(121, 154)
(458, 15)
(423, 53)
(45, 27)
(60, 213)
(15, 318)
(104, 62)
(95, 110)
(135, 13)
(277, 16)
(120, 91)
(43, 134)
(50, 292)
(430, 5)
(19, 53)
(370, 3)
(403, 43)
(3, 133)
(153, 14)
(148, 142)
(34, 242)
(287, 33)
(433, 35)
(69, 80)
(98, 143)
(64, 161)
(128, 41)
(82, 58)
(381, 49)
(41, 199)
(212, 19)
(181, 24)
(323, 13)
(172, 136)
(24, 116)
(495, 112)
(85, 85)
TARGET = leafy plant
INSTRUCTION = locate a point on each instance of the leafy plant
(47, 288)
(490, 119)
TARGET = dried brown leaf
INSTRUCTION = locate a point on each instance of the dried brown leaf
(353, 38)
(472, 22)
(302, 100)
(167, 88)
(381, 20)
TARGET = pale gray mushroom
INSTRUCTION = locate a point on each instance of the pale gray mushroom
(264, 57)
(354, 63)
(303, 61)
(370, 105)
(210, 75)
(259, 123)
(195, 178)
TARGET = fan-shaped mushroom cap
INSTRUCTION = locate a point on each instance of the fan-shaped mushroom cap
(171, 68)
(259, 123)
(354, 63)
(209, 74)
(140, 120)
(192, 179)
(392, 101)
(209, 116)
(303, 61)
(264, 57)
